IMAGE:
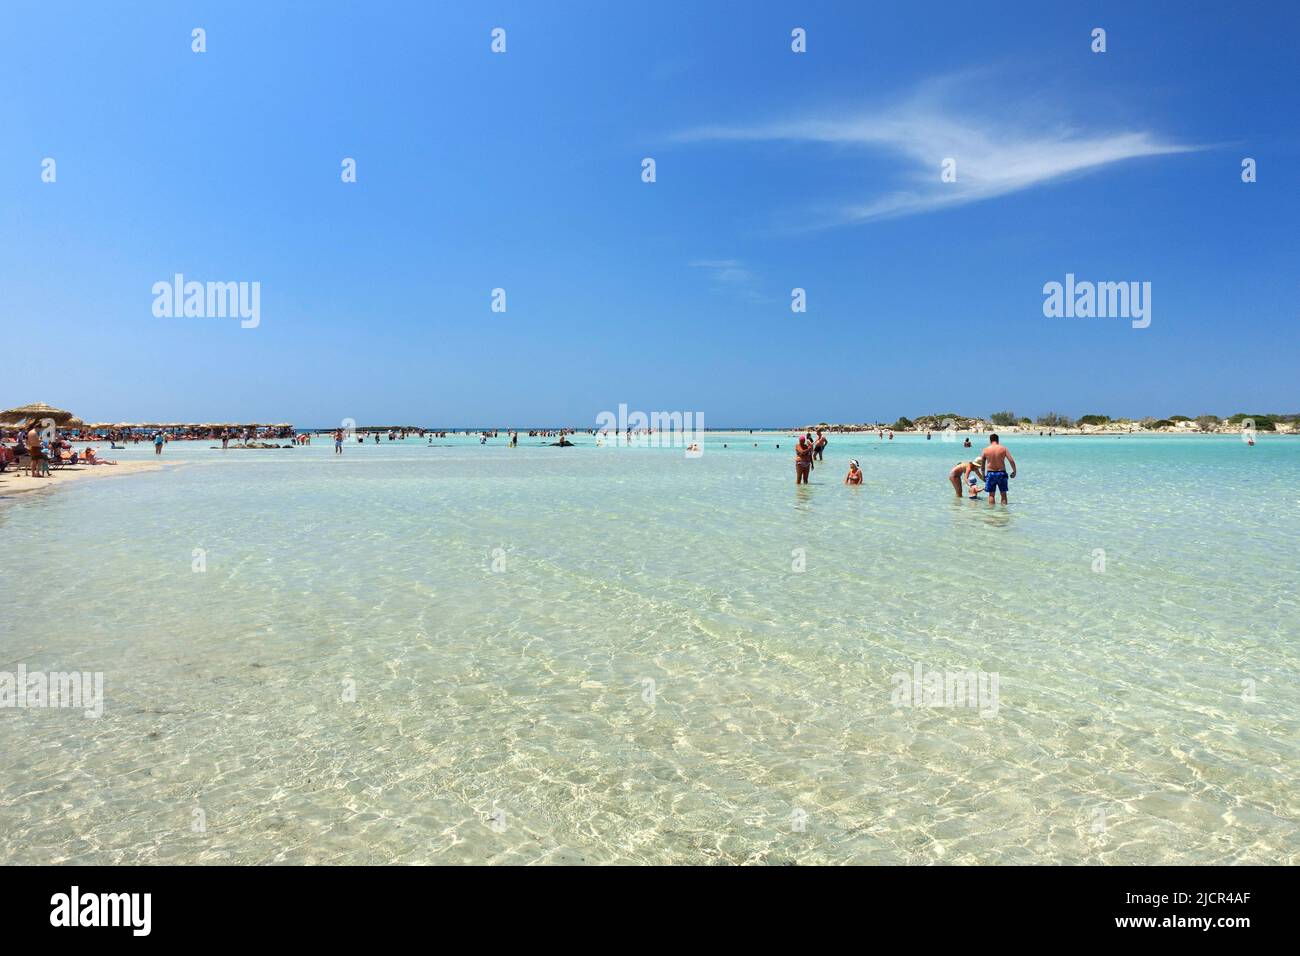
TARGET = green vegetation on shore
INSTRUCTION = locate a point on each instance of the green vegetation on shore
(1058, 422)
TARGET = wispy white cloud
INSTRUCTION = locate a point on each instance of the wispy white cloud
(731, 277)
(994, 155)
(731, 271)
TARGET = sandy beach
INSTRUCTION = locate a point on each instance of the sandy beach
(12, 483)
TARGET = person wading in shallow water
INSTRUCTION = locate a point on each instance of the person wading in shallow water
(995, 468)
(803, 456)
(820, 445)
(961, 475)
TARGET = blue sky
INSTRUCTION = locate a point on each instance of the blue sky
(522, 170)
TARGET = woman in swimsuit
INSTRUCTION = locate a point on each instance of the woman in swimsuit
(803, 452)
(962, 471)
(854, 477)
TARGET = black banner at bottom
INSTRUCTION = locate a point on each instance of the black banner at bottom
(1218, 905)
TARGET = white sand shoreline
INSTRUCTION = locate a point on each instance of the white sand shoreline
(13, 484)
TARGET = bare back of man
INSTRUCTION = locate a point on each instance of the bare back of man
(995, 457)
(995, 468)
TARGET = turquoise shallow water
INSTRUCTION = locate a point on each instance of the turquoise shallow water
(646, 676)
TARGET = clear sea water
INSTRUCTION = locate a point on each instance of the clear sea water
(624, 656)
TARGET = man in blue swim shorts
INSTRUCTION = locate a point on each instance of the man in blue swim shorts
(995, 468)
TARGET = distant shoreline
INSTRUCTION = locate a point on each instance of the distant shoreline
(1282, 428)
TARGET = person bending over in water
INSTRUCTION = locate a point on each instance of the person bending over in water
(854, 477)
(803, 452)
(962, 473)
(995, 464)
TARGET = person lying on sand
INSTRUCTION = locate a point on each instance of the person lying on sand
(854, 477)
(962, 471)
(93, 459)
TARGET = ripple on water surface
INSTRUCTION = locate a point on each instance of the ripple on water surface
(594, 656)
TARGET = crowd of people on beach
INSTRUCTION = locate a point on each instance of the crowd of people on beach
(40, 450)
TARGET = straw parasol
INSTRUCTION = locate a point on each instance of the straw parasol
(37, 412)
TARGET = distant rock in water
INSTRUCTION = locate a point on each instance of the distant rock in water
(563, 443)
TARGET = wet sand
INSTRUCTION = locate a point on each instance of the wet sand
(12, 483)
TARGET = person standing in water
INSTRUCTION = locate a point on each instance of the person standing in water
(338, 441)
(820, 445)
(995, 458)
(854, 477)
(803, 452)
(812, 450)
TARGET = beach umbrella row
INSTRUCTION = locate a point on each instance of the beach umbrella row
(189, 425)
(38, 412)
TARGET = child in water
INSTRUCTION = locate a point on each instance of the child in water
(964, 469)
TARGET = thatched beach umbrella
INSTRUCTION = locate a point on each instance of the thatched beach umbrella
(37, 412)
